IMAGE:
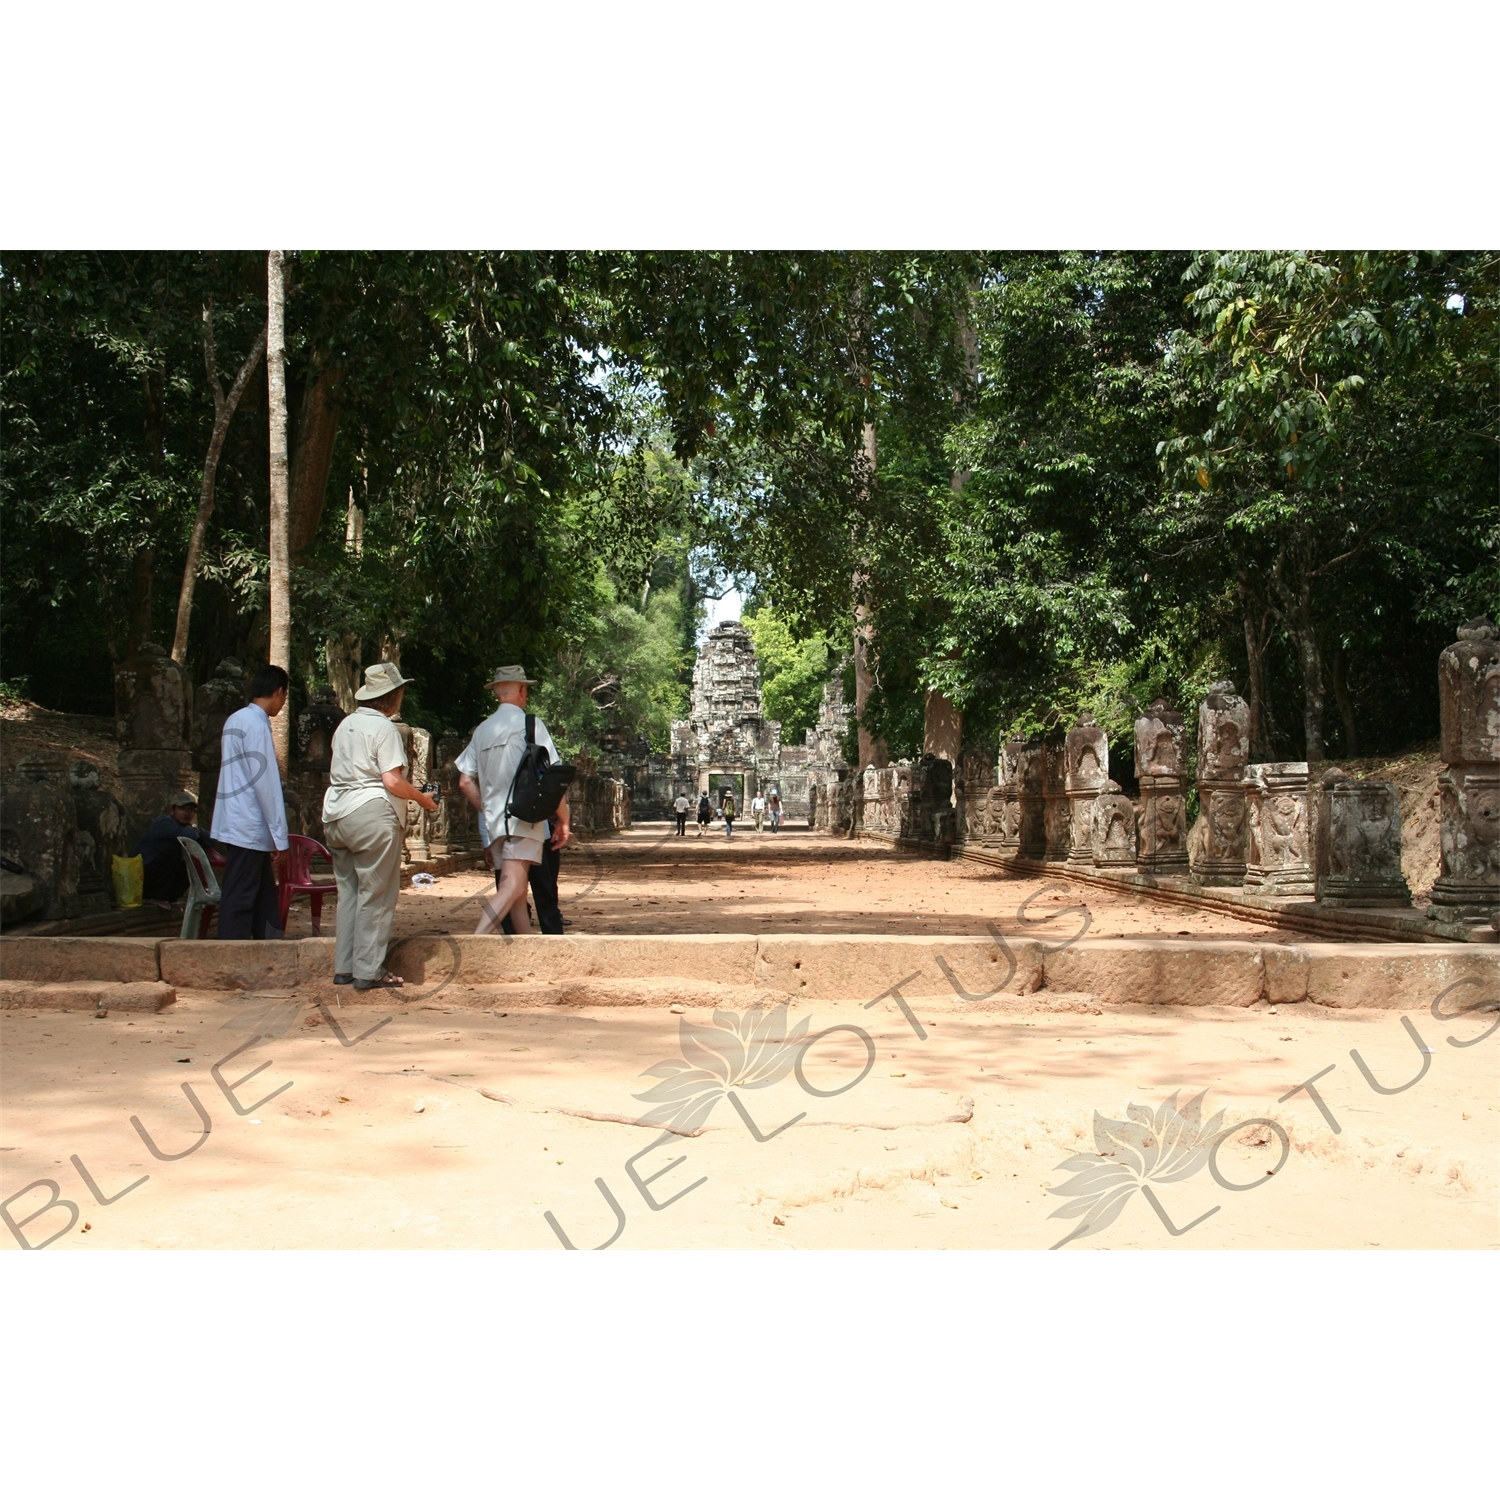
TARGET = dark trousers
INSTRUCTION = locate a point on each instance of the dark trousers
(247, 906)
(166, 876)
(543, 878)
(682, 825)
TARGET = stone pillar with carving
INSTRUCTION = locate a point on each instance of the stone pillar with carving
(1281, 832)
(1086, 757)
(1009, 771)
(39, 830)
(1112, 829)
(418, 819)
(315, 726)
(971, 796)
(447, 830)
(1032, 774)
(101, 824)
(223, 694)
(1058, 811)
(153, 707)
(1359, 843)
(1218, 844)
(1159, 770)
(1468, 883)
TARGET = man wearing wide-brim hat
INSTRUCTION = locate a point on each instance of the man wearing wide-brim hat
(364, 818)
(487, 770)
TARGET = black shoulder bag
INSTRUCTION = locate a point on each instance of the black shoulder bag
(539, 784)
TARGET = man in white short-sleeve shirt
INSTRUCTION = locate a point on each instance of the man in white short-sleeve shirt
(487, 770)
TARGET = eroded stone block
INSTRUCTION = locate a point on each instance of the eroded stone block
(1112, 829)
(1359, 844)
(1159, 769)
(1280, 831)
(1469, 701)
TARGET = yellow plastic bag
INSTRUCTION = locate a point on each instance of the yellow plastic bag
(130, 879)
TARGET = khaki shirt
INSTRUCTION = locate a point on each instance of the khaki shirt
(365, 745)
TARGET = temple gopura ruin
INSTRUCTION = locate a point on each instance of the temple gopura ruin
(727, 742)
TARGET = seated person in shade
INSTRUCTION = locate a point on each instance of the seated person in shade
(162, 856)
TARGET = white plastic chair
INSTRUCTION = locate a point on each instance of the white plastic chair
(203, 890)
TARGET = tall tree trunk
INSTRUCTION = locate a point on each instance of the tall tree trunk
(317, 428)
(872, 751)
(143, 563)
(1295, 597)
(1314, 680)
(942, 728)
(1257, 617)
(343, 653)
(280, 565)
(224, 409)
(1336, 664)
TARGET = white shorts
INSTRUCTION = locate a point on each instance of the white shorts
(528, 849)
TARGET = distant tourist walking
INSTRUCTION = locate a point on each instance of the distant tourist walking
(249, 814)
(705, 814)
(680, 807)
(729, 815)
(487, 774)
(773, 805)
(364, 823)
(758, 810)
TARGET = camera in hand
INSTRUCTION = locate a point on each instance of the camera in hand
(431, 788)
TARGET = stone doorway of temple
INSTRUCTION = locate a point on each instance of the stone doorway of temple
(721, 781)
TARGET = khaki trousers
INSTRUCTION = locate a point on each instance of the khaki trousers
(366, 849)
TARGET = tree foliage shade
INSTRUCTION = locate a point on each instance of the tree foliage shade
(1097, 477)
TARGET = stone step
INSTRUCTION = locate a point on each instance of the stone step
(78, 994)
(967, 970)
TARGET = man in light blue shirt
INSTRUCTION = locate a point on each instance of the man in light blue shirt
(249, 813)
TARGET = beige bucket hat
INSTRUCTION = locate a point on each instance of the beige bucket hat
(511, 674)
(384, 677)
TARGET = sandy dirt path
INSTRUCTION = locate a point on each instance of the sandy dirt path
(948, 1142)
(647, 880)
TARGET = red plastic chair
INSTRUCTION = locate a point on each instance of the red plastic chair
(296, 879)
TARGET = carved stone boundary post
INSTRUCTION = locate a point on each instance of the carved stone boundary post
(1359, 843)
(418, 818)
(973, 782)
(1033, 800)
(1159, 768)
(1056, 814)
(1468, 882)
(1112, 829)
(1087, 760)
(1223, 749)
(153, 712)
(1281, 833)
(1009, 771)
(448, 822)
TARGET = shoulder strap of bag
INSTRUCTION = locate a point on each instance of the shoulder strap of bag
(530, 740)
